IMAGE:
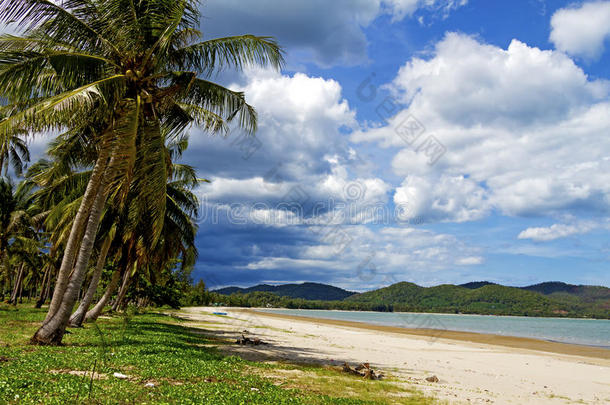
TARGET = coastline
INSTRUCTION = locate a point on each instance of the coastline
(450, 314)
(472, 337)
(471, 368)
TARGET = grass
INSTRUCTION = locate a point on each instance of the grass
(157, 349)
(328, 380)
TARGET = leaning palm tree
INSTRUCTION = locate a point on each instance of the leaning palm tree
(131, 223)
(127, 71)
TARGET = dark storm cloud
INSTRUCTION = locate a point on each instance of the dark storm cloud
(325, 32)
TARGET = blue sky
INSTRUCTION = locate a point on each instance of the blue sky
(431, 141)
(437, 141)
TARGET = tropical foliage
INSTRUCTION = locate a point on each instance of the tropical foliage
(121, 82)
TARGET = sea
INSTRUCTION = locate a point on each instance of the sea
(588, 332)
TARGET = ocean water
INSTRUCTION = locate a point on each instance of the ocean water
(589, 332)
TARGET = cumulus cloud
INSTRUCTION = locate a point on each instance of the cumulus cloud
(552, 232)
(301, 154)
(558, 231)
(582, 30)
(523, 130)
(469, 261)
(471, 83)
(302, 121)
(325, 32)
(444, 198)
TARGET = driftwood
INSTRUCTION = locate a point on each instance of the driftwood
(363, 370)
(247, 341)
(433, 379)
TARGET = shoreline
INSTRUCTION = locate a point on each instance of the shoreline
(470, 368)
(454, 314)
(514, 342)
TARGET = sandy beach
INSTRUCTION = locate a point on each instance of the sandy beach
(471, 368)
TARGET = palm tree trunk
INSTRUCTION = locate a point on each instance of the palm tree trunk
(4, 268)
(77, 318)
(52, 332)
(93, 314)
(76, 232)
(16, 288)
(20, 294)
(46, 280)
(118, 303)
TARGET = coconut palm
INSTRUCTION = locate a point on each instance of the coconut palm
(129, 70)
(25, 256)
(61, 182)
(17, 234)
(13, 152)
(132, 227)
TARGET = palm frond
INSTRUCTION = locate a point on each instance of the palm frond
(67, 22)
(237, 52)
(55, 112)
(216, 99)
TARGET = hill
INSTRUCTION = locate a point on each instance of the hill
(546, 299)
(475, 284)
(585, 291)
(487, 299)
(307, 291)
(596, 298)
(480, 297)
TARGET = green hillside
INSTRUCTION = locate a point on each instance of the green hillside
(488, 299)
(308, 291)
(546, 299)
(583, 297)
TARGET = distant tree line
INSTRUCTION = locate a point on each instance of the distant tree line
(406, 297)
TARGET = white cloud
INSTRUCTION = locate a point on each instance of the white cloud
(301, 121)
(303, 157)
(553, 232)
(558, 231)
(470, 83)
(524, 131)
(582, 30)
(469, 261)
(300, 118)
(444, 198)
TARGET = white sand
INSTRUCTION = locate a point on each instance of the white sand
(468, 372)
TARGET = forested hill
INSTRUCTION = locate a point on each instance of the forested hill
(308, 291)
(480, 297)
(545, 299)
(584, 291)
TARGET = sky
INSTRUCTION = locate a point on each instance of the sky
(429, 141)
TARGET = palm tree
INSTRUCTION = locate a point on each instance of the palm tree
(17, 234)
(13, 150)
(26, 257)
(132, 224)
(61, 182)
(128, 71)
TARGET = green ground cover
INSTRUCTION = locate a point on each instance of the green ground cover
(165, 361)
